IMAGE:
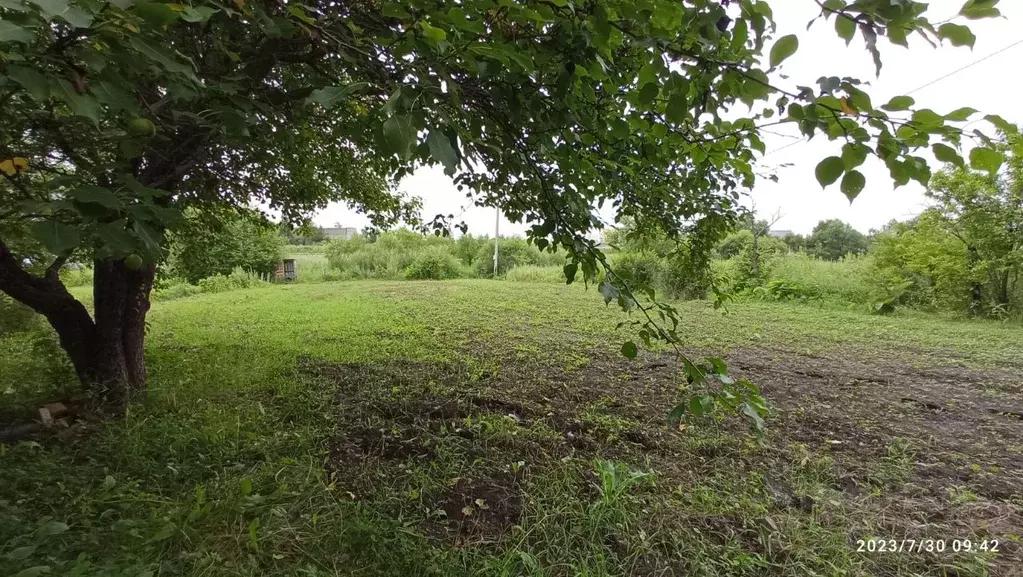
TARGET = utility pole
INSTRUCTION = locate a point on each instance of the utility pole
(497, 239)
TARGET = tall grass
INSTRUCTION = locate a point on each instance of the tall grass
(845, 281)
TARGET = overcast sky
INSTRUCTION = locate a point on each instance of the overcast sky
(992, 86)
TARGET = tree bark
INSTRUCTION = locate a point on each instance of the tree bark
(107, 353)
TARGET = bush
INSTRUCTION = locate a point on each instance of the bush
(467, 248)
(238, 279)
(538, 274)
(434, 263)
(337, 250)
(512, 252)
(640, 268)
(204, 246)
(73, 276)
(175, 289)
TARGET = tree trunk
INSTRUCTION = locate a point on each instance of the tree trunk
(107, 353)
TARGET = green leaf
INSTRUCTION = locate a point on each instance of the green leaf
(158, 14)
(97, 195)
(57, 237)
(114, 96)
(33, 571)
(702, 405)
(10, 32)
(202, 13)
(399, 134)
(899, 103)
(570, 271)
(828, 170)
(116, 237)
(442, 151)
(61, 9)
(80, 104)
(1000, 123)
(629, 350)
(158, 56)
(845, 27)
(330, 96)
(976, 9)
(982, 158)
(751, 412)
(928, 118)
(945, 153)
(52, 527)
(149, 237)
(35, 83)
(785, 46)
(432, 32)
(960, 114)
(957, 34)
(677, 413)
(678, 108)
(21, 553)
(854, 154)
(648, 93)
(852, 184)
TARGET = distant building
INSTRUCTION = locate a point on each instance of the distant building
(779, 233)
(342, 233)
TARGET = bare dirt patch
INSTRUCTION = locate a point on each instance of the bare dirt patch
(855, 446)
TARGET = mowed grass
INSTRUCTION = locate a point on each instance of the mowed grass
(480, 427)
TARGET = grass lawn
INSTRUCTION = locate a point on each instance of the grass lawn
(492, 428)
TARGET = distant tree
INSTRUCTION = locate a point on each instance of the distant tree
(834, 239)
(985, 213)
(795, 242)
(305, 234)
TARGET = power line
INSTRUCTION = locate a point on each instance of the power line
(921, 87)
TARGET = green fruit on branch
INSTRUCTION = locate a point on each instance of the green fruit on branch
(133, 262)
(141, 127)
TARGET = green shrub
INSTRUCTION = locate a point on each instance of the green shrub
(639, 268)
(175, 289)
(238, 279)
(434, 263)
(337, 250)
(205, 247)
(73, 276)
(512, 252)
(467, 248)
(842, 281)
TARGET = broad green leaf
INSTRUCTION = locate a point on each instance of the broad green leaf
(960, 114)
(899, 103)
(84, 105)
(677, 109)
(52, 528)
(159, 55)
(829, 170)
(976, 9)
(11, 32)
(945, 153)
(854, 154)
(116, 237)
(629, 350)
(21, 553)
(35, 83)
(928, 118)
(399, 134)
(35, 571)
(202, 13)
(432, 32)
(63, 10)
(751, 412)
(97, 195)
(158, 14)
(785, 46)
(442, 151)
(990, 160)
(57, 237)
(845, 27)
(648, 93)
(1000, 123)
(330, 96)
(852, 184)
(114, 96)
(570, 271)
(957, 34)
(150, 238)
(701, 405)
(677, 413)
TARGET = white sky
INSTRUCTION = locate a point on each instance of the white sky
(990, 87)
